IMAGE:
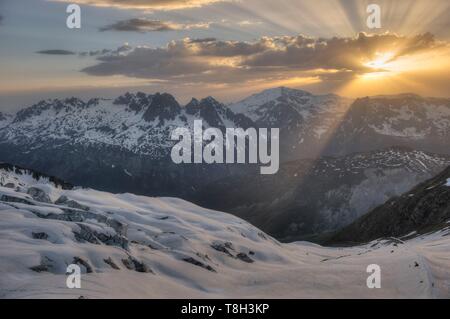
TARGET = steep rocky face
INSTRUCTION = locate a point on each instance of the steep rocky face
(213, 112)
(308, 197)
(135, 102)
(163, 106)
(424, 208)
(193, 106)
(216, 114)
(403, 120)
(209, 109)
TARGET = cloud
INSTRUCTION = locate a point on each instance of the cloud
(219, 48)
(214, 61)
(146, 4)
(1, 19)
(203, 40)
(95, 53)
(337, 53)
(123, 49)
(146, 25)
(248, 23)
(56, 52)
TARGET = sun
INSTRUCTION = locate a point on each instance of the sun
(381, 61)
(381, 66)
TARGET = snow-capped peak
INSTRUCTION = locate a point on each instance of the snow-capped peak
(266, 96)
(302, 116)
(258, 105)
(211, 101)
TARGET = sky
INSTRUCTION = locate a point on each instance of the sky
(225, 48)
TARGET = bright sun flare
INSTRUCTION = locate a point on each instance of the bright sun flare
(382, 65)
(381, 61)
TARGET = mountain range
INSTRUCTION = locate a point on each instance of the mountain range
(123, 145)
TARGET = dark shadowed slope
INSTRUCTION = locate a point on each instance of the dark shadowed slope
(424, 208)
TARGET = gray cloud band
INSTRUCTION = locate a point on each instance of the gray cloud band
(56, 52)
(145, 25)
(212, 60)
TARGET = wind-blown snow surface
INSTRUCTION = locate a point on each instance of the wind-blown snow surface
(139, 247)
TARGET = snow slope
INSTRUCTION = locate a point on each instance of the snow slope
(139, 247)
